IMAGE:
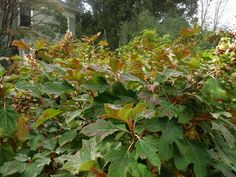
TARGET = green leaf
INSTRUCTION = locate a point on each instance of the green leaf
(120, 160)
(166, 109)
(226, 170)
(152, 125)
(93, 111)
(195, 153)
(101, 129)
(199, 157)
(71, 116)
(147, 149)
(106, 97)
(6, 153)
(171, 132)
(46, 115)
(224, 157)
(57, 87)
(213, 90)
(119, 90)
(67, 137)
(12, 167)
(36, 141)
(220, 114)
(98, 83)
(26, 85)
(36, 167)
(129, 77)
(2, 70)
(231, 155)
(64, 174)
(184, 115)
(49, 143)
(8, 122)
(140, 170)
(171, 73)
(78, 165)
(84, 159)
(22, 157)
(222, 130)
(151, 98)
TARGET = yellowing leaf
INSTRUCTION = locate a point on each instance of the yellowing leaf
(137, 109)
(16, 58)
(112, 111)
(75, 64)
(40, 44)
(86, 166)
(189, 32)
(23, 130)
(20, 45)
(103, 43)
(196, 29)
(116, 64)
(122, 113)
(94, 37)
(124, 110)
(46, 115)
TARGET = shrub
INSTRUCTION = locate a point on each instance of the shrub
(152, 108)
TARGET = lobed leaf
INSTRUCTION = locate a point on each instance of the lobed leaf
(120, 160)
(101, 129)
(146, 149)
(46, 115)
(8, 122)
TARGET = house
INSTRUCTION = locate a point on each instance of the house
(28, 18)
(70, 14)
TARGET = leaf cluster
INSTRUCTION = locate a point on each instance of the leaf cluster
(155, 107)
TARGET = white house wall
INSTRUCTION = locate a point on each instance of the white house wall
(70, 20)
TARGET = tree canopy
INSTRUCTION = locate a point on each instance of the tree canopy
(107, 16)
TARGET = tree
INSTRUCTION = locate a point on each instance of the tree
(143, 20)
(204, 9)
(8, 12)
(219, 11)
(212, 10)
(110, 15)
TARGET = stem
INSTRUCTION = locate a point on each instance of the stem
(131, 126)
(98, 173)
(4, 104)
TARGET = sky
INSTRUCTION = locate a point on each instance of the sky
(228, 18)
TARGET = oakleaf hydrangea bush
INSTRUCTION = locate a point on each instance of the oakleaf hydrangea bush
(155, 107)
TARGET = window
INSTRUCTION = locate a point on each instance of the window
(25, 16)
